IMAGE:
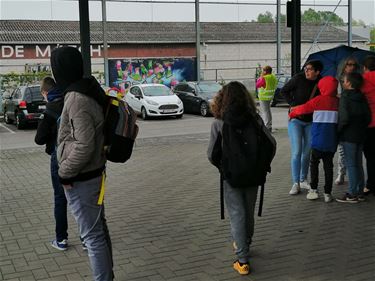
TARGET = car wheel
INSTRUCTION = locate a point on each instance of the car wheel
(19, 124)
(144, 113)
(6, 118)
(204, 109)
(179, 116)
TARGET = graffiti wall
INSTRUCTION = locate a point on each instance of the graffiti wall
(124, 73)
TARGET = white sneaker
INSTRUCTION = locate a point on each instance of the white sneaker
(305, 185)
(312, 194)
(340, 179)
(328, 198)
(295, 189)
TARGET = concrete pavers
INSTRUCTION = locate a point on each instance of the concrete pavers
(164, 218)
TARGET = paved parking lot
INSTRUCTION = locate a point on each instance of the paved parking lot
(164, 218)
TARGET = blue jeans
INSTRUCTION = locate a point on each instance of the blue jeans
(240, 203)
(354, 167)
(300, 144)
(60, 210)
(83, 198)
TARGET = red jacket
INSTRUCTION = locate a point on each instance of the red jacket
(368, 89)
(324, 107)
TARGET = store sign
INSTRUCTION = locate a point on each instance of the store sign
(38, 51)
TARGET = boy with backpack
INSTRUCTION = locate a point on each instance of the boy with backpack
(354, 117)
(236, 148)
(323, 134)
(81, 155)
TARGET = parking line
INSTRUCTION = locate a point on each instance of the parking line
(13, 132)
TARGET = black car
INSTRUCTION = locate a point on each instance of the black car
(24, 106)
(278, 98)
(197, 97)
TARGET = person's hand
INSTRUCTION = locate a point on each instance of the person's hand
(67, 186)
(292, 108)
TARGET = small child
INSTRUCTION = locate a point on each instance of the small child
(354, 117)
(323, 134)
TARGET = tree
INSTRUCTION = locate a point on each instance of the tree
(358, 22)
(267, 17)
(372, 39)
(311, 16)
(282, 16)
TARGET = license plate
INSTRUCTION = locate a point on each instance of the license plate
(42, 107)
(168, 110)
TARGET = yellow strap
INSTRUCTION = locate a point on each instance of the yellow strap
(102, 190)
(115, 102)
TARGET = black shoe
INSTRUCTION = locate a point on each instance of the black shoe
(348, 198)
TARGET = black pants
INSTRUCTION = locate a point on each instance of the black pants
(327, 158)
(369, 151)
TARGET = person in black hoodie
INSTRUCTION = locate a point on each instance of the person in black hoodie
(47, 134)
(299, 90)
(81, 157)
(234, 106)
(354, 117)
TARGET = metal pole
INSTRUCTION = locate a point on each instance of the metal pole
(296, 37)
(84, 27)
(197, 39)
(278, 35)
(350, 23)
(105, 45)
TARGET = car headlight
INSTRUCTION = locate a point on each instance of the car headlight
(179, 101)
(152, 102)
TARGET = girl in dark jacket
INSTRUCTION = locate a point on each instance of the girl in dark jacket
(354, 117)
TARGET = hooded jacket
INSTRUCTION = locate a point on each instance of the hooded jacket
(368, 89)
(47, 127)
(325, 115)
(81, 136)
(298, 91)
(354, 117)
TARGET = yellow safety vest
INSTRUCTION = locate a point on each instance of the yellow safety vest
(267, 93)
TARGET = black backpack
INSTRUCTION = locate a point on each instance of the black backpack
(120, 129)
(247, 154)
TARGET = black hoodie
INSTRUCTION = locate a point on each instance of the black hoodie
(354, 116)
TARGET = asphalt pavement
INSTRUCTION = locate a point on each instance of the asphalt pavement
(163, 214)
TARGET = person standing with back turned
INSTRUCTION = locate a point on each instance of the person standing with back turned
(81, 155)
(234, 106)
(266, 85)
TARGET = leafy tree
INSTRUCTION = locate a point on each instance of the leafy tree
(358, 22)
(372, 39)
(282, 16)
(311, 16)
(267, 17)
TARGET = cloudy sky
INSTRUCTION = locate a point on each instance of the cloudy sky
(119, 10)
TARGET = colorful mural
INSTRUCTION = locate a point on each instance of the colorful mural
(124, 73)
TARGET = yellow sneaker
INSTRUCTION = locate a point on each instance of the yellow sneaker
(243, 269)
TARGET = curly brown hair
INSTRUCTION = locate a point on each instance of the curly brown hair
(232, 95)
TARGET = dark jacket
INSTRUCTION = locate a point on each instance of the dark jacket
(47, 126)
(354, 117)
(298, 90)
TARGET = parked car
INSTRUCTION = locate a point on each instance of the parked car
(282, 79)
(154, 100)
(24, 106)
(197, 97)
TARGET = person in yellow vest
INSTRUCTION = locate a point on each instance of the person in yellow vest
(266, 85)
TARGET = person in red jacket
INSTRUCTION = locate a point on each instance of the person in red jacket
(323, 134)
(368, 89)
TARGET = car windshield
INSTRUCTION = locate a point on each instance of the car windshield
(33, 94)
(208, 90)
(156, 91)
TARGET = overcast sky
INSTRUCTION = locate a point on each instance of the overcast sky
(121, 11)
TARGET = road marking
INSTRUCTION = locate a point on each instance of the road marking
(11, 131)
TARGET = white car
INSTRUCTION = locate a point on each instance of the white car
(154, 100)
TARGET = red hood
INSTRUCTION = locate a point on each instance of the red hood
(328, 86)
(369, 82)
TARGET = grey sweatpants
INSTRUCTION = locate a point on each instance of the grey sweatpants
(240, 205)
(82, 199)
(265, 111)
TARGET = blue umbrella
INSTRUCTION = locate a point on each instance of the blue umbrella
(332, 58)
